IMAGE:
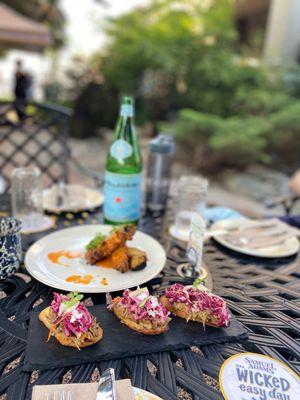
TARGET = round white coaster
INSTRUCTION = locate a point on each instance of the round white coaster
(251, 376)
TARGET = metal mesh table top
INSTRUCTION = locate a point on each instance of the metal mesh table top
(263, 294)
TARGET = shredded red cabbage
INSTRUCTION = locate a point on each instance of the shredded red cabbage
(199, 300)
(75, 320)
(142, 306)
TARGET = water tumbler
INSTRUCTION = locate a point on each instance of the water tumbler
(161, 151)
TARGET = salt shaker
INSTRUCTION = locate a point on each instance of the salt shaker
(161, 151)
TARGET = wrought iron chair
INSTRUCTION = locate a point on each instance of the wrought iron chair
(40, 139)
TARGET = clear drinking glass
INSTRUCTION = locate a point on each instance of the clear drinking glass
(27, 200)
(192, 192)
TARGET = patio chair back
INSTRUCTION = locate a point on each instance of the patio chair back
(38, 138)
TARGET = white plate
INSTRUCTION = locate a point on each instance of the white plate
(81, 198)
(140, 394)
(288, 248)
(75, 239)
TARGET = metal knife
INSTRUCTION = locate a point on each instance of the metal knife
(106, 385)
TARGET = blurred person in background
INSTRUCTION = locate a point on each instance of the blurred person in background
(22, 89)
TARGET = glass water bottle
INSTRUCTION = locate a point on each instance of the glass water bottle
(161, 151)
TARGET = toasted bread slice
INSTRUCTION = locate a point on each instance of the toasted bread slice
(143, 326)
(181, 310)
(92, 336)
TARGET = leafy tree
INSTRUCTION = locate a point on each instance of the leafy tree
(174, 54)
(47, 12)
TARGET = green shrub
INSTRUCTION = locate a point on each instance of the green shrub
(240, 140)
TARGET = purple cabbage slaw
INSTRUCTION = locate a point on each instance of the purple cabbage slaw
(75, 320)
(199, 300)
(142, 306)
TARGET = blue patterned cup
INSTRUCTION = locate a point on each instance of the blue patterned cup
(10, 246)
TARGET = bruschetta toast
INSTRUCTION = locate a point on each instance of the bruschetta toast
(141, 312)
(196, 303)
(69, 321)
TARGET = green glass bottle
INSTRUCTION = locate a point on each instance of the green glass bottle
(123, 174)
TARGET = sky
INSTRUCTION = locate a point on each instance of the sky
(84, 24)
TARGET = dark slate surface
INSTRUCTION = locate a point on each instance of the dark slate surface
(119, 341)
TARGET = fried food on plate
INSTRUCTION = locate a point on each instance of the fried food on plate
(69, 321)
(141, 312)
(196, 303)
(137, 258)
(120, 260)
(103, 246)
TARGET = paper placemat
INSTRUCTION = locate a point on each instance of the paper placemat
(87, 391)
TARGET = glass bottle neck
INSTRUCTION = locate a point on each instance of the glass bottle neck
(125, 129)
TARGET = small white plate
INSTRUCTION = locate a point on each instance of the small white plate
(288, 248)
(79, 198)
(140, 394)
(45, 223)
(75, 239)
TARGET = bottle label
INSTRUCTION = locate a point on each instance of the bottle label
(126, 110)
(121, 149)
(122, 194)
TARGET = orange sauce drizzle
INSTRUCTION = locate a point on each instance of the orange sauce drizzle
(83, 279)
(104, 282)
(55, 256)
(106, 263)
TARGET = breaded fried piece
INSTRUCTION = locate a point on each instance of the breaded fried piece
(137, 258)
(120, 260)
(116, 239)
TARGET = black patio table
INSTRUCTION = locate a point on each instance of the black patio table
(263, 294)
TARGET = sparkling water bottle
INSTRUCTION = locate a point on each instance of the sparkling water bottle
(123, 174)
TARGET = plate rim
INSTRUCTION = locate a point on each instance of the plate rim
(249, 252)
(87, 289)
(74, 209)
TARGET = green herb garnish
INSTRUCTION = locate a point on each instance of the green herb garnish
(117, 228)
(74, 298)
(198, 281)
(98, 239)
(143, 302)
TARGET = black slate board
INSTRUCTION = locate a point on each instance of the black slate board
(119, 341)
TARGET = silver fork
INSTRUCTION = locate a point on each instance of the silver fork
(60, 396)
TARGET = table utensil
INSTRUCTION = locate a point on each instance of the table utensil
(62, 395)
(261, 239)
(61, 194)
(10, 246)
(259, 234)
(27, 201)
(106, 385)
(74, 240)
(269, 238)
(70, 198)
